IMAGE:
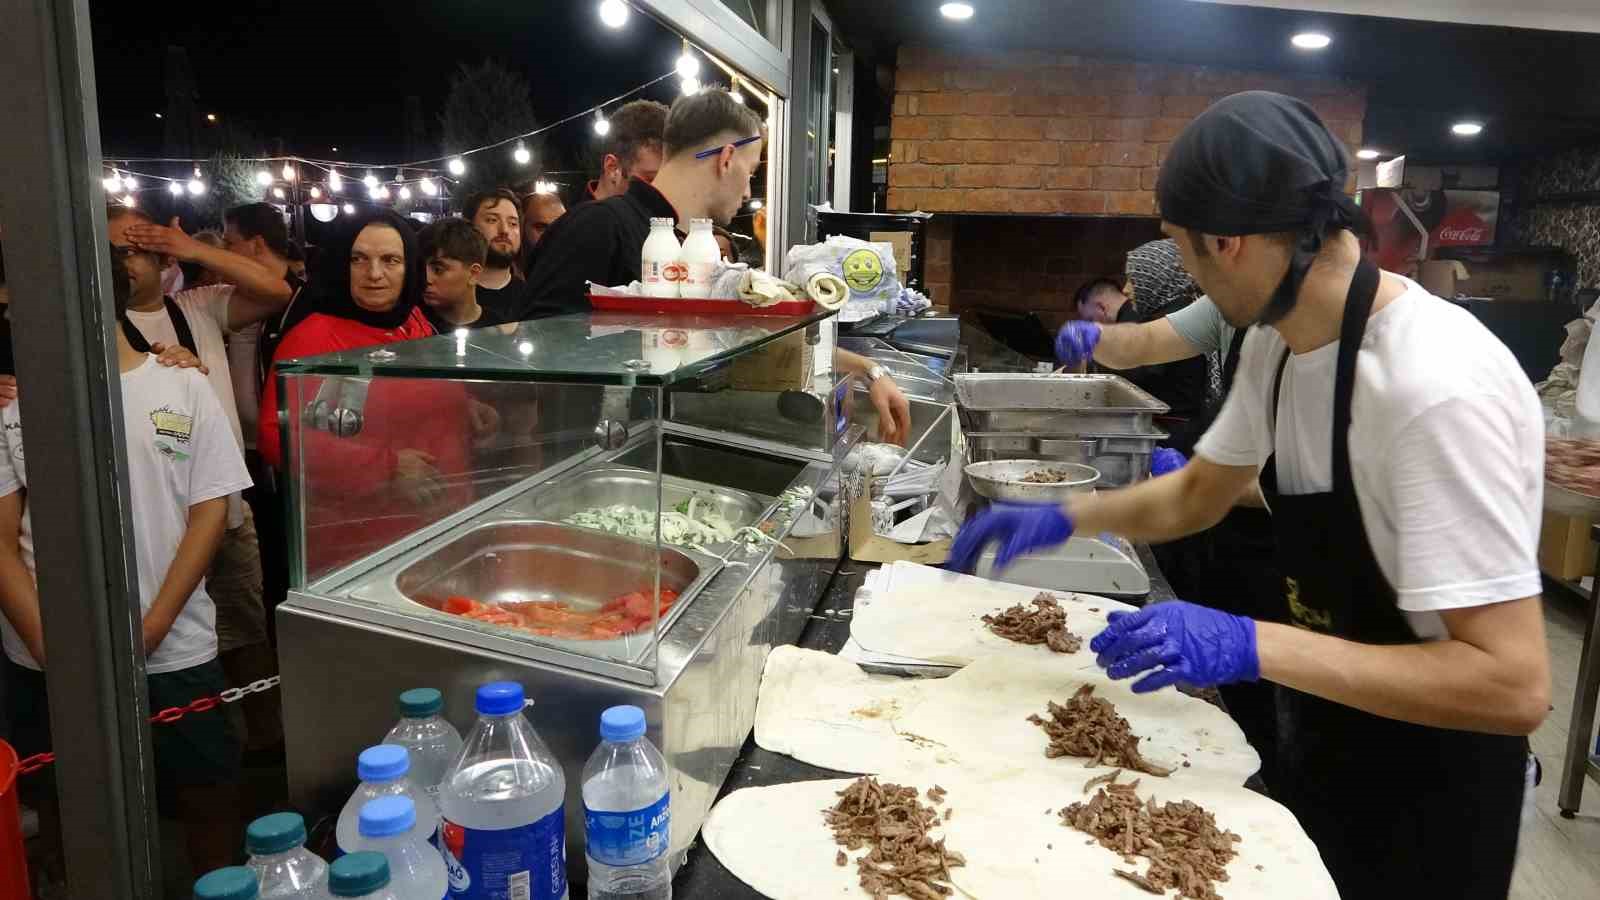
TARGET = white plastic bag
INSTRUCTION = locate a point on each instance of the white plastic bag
(868, 269)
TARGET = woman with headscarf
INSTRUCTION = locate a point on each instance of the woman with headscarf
(363, 491)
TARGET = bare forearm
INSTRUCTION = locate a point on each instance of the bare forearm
(1162, 509)
(1445, 684)
(1129, 346)
(851, 363)
(19, 602)
(262, 285)
(201, 538)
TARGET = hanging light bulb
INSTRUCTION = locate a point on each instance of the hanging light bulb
(263, 178)
(197, 187)
(457, 166)
(277, 193)
(689, 86)
(521, 154)
(602, 125)
(335, 183)
(688, 66)
(316, 192)
(175, 188)
(405, 192)
(372, 192)
(756, 203)
(371, 181)
(429, 187)
(197, 171)
(733, 91)
(112, 183)
(288, 172)
(613, 13)
(349, 209)
(129, 201)
(130, 182)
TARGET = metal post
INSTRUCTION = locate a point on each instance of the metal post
(52, 207)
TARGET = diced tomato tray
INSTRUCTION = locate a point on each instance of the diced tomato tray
(622, 615)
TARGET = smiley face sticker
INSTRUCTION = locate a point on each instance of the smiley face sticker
(863, 271)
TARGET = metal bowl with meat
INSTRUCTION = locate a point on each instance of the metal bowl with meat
(1031, 480)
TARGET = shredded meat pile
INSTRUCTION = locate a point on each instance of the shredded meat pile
(1186, 849)
(890, 821)
(1044, 476)
(1045, 624)
(1089, 726)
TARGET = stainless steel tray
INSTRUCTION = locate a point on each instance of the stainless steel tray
(637, 487)
(518, 560)
(1069, 404)
(1122, 459)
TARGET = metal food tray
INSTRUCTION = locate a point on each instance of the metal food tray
(516, 560)
(1071, 404)
(1122, 459)
(637, 487)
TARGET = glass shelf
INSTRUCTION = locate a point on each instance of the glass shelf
(596, 348)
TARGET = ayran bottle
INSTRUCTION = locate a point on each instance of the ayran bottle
(661, 261)
(700, 257)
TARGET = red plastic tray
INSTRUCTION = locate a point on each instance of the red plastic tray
(697, 305)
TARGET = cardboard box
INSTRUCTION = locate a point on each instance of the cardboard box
(1507, 278)
(1565, 551)
(784, 365)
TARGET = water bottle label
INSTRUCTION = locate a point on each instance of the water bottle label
(525, 863)
(628, 838)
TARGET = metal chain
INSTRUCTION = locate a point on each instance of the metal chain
(34, 763)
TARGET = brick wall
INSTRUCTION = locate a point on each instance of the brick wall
(1046, 133)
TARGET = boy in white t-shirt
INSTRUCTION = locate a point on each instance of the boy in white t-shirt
(183, 463)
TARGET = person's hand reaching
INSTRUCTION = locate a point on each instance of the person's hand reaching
(416, 477)
(1185, 643)
(1075, 342)
(894, 411)
(167, 240)
(1017, 528)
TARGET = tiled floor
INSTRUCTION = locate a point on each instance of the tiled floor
(1560, 858)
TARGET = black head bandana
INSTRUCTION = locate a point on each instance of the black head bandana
(1258, 163)
(331, 287)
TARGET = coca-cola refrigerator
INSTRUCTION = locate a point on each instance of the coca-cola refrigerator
(1411, 226)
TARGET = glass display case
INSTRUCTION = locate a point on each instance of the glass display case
(522, 503)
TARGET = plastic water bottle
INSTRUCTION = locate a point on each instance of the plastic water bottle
(416, 870)
(626, 812)
(232, 883)
(504, 832)
(432, 742)
(383, 772)
(284, 867)
(364, 875)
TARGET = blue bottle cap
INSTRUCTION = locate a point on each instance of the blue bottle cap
(622, 723)
(384, 762)
(419, 703)
(232, 883)
(387, 817)
(357, 874)
(275, 834)
(498, 698)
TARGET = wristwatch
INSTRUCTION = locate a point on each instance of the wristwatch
(876, 372)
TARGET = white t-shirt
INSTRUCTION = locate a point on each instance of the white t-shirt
(179, 453)
(206, 311)
(1446, 449)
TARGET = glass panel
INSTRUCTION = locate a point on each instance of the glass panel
(819, 119)
(751, 12)
(615, 348)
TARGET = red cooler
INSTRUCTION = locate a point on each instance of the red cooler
(13, 861)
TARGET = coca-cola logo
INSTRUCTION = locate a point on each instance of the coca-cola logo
(674, 271)
(1463, 235)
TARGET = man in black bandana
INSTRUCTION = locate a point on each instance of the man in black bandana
(1399, 447)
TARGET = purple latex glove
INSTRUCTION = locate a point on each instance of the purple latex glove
(1017, 527)
(1165, 460)
(1193, 645)
(1075, 342)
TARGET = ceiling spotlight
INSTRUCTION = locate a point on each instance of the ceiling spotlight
(277, 193)
(371, 180)
(602, 125)
(1367, 153)
(688, 65)
(689, 86)
(1311, 40)
(316, 192)
(613, 13)
(211, 117)
(129, 201)
(1467, 129)
(175, 189)
(112, 183)
(288, 172)
(349, 209)
(456, 166)
(428, 187)
(197, 187)
(263, 178)
(958, 11)
(335, 183)
(521, 154)
(405, 192)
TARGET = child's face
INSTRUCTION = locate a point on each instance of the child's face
(450, 282)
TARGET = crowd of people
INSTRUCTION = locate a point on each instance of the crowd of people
(203, 320)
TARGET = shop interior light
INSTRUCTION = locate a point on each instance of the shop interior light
(175, 189)
(263, 177)
(1367, 153)
(428, 187)
(613, 13)
(1311, 40)
(1467, 129)
(457, 166)
(521, 155)
(958, 11)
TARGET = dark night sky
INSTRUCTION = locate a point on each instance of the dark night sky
(320, 75)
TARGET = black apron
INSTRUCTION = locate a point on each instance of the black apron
(180, 326)
(1396, 809)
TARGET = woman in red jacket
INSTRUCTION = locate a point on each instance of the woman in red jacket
(409, 465)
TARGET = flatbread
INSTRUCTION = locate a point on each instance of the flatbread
(825, 711)
(941, 621)
(1007, 827)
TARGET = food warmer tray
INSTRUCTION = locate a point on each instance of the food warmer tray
(1055, 404)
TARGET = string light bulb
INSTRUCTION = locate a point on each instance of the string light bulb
(371, 180)
(756, 204)
(613, 13)
(428, 187)
(264, 178)
(544, 187)
(197, 171)
(129, 201)
(405, 192)
(112, 183)
(197, 187)
(689, 86)
(277, 192)
(688, 66)
(130, 182)
(288, 172)
(456, 166)
(733, 91)
(335, 183)
(316, 192)
(175, 189)
(349, 209)
(521, 154)
(602, 125)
